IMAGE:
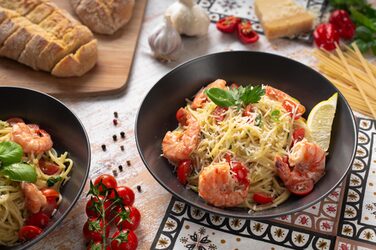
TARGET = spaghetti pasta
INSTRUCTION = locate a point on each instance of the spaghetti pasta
(13, 211)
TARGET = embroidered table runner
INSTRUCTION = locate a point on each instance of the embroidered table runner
(345, 219)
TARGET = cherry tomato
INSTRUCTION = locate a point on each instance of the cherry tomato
(248, 110)
(262, 198)
(29, 232)
(298, 134)
(326, 36)
(124, 240)
(302, 188)
(291, 106)
(93, 229)
(107, 180)
(39, 219)
(184, 170)
(219, 113)
(241, 172)
(125, 193)
(95, 246)
(50, 193)
(228, 24)
(181, 116)
(50, 207)
(133, 220)
(48, 168)
(14, 120)
(246, 34)
(341, 20)
(93, 205)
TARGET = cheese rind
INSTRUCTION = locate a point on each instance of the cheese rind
(283, 18)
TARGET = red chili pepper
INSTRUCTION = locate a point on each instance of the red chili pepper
(341, 20)
(228, 24)
(246, 34)
(326, 36)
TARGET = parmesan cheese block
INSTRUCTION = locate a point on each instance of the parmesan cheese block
(283, 18)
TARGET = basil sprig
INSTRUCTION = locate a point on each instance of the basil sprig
(241, 96)
(11, 165)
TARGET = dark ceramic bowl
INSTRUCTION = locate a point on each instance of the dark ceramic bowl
(67, 133)
(157, 115)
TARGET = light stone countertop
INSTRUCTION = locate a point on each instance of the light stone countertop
(96, 113)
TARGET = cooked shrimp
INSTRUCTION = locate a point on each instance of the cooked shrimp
(31, 137)
(290, 104)
(177, 145)
(34, 199)
(201, 97)
(308, 166)
(218, 186)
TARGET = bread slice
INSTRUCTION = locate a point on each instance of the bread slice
(282, 18)
(38, 34)
(104, 16)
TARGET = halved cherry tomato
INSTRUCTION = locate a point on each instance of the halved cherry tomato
(125, 193)
(107, 180)
(48, 168)
(50, 207)
(248, 110)
(246, 34)
(39, 219)
(342, 21)
(184, 169)
(93, 229)
(181, 116)
(291, 106)
(29, 232)
(50, 193)
(133, 220)
(326, 36)
(219, 113)
(124, 240)
(262, 198)
(241, 172)
(14, 120)
(93, 205)
(298, 134)
(228, 24)
(302, 188)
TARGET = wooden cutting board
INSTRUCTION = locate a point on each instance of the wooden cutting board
(110, 75)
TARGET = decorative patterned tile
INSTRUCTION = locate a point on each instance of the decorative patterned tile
(346, 244)
(186, 227)
(358, 216)
(218, 9)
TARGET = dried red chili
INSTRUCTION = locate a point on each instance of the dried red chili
(326, 36)
(342, 22)
(228, 24)
(245, 32)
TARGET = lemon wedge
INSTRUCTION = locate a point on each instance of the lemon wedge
(320, 121)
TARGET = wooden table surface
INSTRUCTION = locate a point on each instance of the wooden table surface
(96, 113)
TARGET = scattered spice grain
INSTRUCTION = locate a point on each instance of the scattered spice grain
(139, 188)
(129, 163)
(122, 148)
(114, 137)
(103, 147)
(121, 168)
(122, 134)
(116, 114)
(115, 122)
(115, 173)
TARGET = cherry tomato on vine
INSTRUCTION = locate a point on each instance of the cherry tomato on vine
(184, 170)
(29, 232)
(95, 246)
(107, 180)
(125, 193)
(93, 229)
(228, 24)
(39, 219)
(93, 207)
(131, 222)
(124, 240)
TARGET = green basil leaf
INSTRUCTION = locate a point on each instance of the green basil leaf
(10, 152)
(220, 97)
(275, 114)
(252, 94)
(362, 19)
(363, 46)
(20, 172)
(363, 33)
(52, 180)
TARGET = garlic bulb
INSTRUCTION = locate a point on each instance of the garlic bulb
(188, 18)
(165, 41)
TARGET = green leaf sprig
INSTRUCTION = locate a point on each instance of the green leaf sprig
(241, 96)
(11, 165)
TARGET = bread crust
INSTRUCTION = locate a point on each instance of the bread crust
(104, 16)
(40, 35)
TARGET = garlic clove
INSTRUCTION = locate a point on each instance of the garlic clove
(165, 41)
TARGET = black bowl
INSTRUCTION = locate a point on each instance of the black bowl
(67, 133)
(157, 115)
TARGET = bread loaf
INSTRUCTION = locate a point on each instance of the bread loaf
(104, 16)
(44, 37)
(282, 18)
